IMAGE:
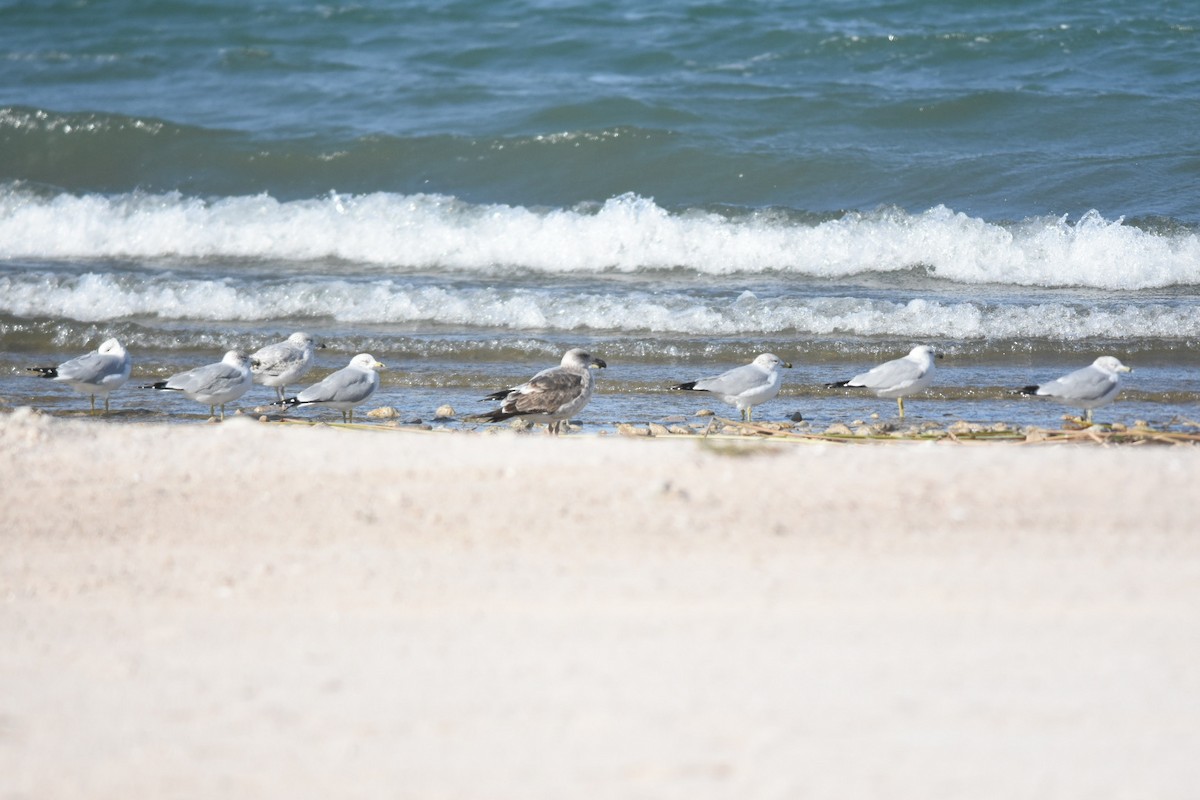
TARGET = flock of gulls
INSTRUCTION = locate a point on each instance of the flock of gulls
(552, 396)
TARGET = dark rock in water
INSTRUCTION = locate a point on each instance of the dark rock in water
(797, 417)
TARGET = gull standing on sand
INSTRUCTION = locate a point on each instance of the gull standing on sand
(100, 372)
(284, 362)
(1091, 387)
(214, 384)
(898, 378)
(552, 396)
(744, 387)
(350, 386)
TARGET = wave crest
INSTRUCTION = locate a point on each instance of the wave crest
(97, 298)
(627, 234)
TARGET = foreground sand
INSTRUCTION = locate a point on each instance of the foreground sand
(267, 611)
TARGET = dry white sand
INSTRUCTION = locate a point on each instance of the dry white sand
(267, 611)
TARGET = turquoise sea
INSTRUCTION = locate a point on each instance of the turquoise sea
(467, 189)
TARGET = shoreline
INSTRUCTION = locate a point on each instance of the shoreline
(300, 611)
(704, 425)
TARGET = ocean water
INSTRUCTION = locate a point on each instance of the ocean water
(467, 189)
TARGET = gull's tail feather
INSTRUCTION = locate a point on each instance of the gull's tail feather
(1027, 390)
(500, 395)
(690, 386)
(499, 415)
(158, 385)
(44, 372)
(837, 384)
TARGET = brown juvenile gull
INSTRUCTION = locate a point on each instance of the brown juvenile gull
(898, 378)
(1091, 387)
(284, 362)
(552, 396)
(214, 384)
(744, 387)
(350, 386)
(100, 372)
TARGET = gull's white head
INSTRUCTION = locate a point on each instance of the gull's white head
(578, 358)
(1110, 364)
(302, 339)
(923, 352)
(365, 361)
(236, 358)
(770, 361)
(111, 347)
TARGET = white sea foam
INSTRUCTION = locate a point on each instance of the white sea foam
(94, 297)
(627, 234)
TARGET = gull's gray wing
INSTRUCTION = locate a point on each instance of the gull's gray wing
(735, 381)
(890, 375)
(210, 379)
(545, 393)
(343, 386)
(277, 358)
(89, 368)
(1084, 384)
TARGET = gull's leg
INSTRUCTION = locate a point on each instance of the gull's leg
(900, 404)
(93, 397)
(106, 405)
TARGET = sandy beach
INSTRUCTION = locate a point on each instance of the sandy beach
(270, 611)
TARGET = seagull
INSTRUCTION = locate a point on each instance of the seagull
(100, 372)
(283, 362)
(552, 396)
(348, 387)
(746, 386)
(1091, 387)
(215, 384)
(897, 378)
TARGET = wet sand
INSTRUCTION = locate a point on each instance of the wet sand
(249, 610)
